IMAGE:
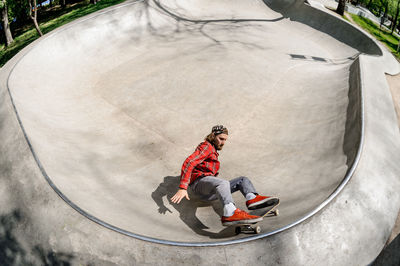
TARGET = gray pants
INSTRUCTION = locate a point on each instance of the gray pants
(211, 188)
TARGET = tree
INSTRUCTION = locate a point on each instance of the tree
(369, 4)
(6, 25)
(394, 24)
(18, 12)
(386, 7)
(34, 16)
(341, 6)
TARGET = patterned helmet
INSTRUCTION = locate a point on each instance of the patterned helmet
(219, 129)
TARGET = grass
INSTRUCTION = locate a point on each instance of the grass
(48, 21)
(345, 18)
(381, 35)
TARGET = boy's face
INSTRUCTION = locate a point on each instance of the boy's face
(220, 141)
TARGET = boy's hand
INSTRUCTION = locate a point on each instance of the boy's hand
(182, 193)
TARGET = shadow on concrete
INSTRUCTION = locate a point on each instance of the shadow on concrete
(197, 26)
(390, 255)
(353, 127)
(180, 17)
(297, 10)
(12, 252)
(187, 208)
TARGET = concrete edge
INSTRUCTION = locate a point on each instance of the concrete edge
(346, 179)
(390, 65)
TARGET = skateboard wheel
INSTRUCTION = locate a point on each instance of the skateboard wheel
(257, 229)
(276, 212)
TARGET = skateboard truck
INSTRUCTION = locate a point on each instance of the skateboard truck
(247, 229)
(253, 228)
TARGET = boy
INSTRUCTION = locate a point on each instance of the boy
(200, 171)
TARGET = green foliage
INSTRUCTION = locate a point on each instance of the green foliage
(48, 22)
(382, 35)
(76, 13)
(379, 5)
(18, 10)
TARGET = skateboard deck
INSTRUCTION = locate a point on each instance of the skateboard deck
(252, 228)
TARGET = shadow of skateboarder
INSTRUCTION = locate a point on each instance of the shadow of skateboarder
(187, 208)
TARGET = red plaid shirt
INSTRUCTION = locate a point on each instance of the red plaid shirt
(203, 162)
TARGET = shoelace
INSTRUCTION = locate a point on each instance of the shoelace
(241, 212)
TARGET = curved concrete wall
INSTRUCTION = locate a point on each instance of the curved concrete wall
(99, 175)
(42, 228)
(354, 122)
(327, 24)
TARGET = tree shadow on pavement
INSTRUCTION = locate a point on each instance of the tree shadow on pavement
(187, 208)
(182, 18)
(12, 252)
(197, 26)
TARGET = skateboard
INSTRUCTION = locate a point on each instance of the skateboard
(252, 228)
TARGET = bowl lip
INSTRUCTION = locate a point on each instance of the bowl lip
(346, 179)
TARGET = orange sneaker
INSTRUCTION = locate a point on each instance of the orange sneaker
(240, 217)
(261, 202)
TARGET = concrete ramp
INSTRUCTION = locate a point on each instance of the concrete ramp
(133, 89)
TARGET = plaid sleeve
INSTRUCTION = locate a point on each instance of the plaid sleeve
(199, 155)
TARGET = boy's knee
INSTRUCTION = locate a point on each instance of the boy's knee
(244, 179)
(224, 184)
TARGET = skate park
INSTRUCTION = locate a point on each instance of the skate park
(92, 153)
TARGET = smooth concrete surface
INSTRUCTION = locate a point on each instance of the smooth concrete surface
(390, 254)
(136, 87)
(121, 121)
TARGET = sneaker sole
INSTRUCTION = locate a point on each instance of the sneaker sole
(251, 221)
(263, 203)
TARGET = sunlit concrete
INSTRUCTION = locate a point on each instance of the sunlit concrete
(131, 92)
